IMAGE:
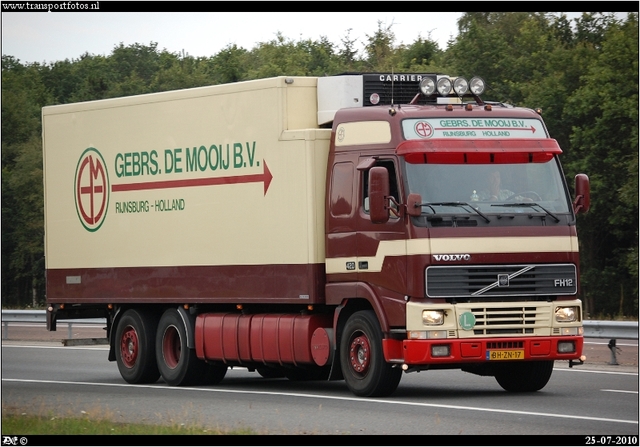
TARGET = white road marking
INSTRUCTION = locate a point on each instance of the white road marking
(368, 401)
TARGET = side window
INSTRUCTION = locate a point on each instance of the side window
(393, 183)
(341, 196)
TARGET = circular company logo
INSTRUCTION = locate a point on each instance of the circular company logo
(91, 189)
(423, 129)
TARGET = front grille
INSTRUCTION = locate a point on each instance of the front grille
(507, 321)
(480, 282)
(495, 320)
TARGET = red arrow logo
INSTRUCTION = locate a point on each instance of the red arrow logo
(532, 128)
(167, 184)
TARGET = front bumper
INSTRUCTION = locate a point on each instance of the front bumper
(421, 352)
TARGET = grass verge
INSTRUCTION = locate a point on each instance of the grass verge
(23, 424)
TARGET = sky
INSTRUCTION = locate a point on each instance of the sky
(47, 37)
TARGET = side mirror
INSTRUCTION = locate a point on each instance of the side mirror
(378, 193)
(583, 199)
(413, 204)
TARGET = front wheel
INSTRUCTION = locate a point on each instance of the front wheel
(362, 360)
(524, 377)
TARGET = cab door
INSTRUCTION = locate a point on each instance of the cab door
(381, 247)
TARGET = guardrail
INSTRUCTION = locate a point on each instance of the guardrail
(592, 328)
(40, 317)
(611, 329)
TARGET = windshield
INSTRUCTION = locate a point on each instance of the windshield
(491, 189)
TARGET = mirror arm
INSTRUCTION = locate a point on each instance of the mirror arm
(397, 211)
(577, 204)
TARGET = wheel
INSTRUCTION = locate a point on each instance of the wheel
(533, 194)
(524, 377)
(362, 360)
(214, 374)
(179, 365)
(135, 349)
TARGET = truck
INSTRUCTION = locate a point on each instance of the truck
(315, 228)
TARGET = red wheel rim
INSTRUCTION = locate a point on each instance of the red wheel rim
(360, 354)
(129, 347)
(171, 347)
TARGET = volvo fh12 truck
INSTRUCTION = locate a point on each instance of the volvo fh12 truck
(353, 227)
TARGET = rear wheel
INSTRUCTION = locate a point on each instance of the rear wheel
(177, 363)
(362, 360)
(214, 374)
(135, 349)
(524, 377)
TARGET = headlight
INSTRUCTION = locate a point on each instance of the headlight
(566, 314)
(432, 317)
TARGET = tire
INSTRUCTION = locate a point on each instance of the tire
(524, 377)
(179, 365)
(135, 347)
(214, 374)
(362, 360)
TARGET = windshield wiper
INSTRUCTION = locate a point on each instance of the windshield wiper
(462, 204)
(530, 205)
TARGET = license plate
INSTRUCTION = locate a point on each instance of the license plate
(505, 355)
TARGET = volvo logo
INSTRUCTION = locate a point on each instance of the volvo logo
(464, 257)
(503, 280)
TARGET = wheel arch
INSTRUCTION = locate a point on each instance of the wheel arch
(189, 321)
(365, 298)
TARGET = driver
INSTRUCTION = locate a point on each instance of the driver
(494, 192)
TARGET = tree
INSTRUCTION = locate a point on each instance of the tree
(380, 50)
(278, 57)
(23, 94)
(229, 65)
(582, 74)
(180, 71)
(347, 54)
(419, 56)
(604, 113)
(26, 231)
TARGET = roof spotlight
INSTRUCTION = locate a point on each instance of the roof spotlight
(427, 86)
(444, 86)
(476, 85)
(460, 86)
